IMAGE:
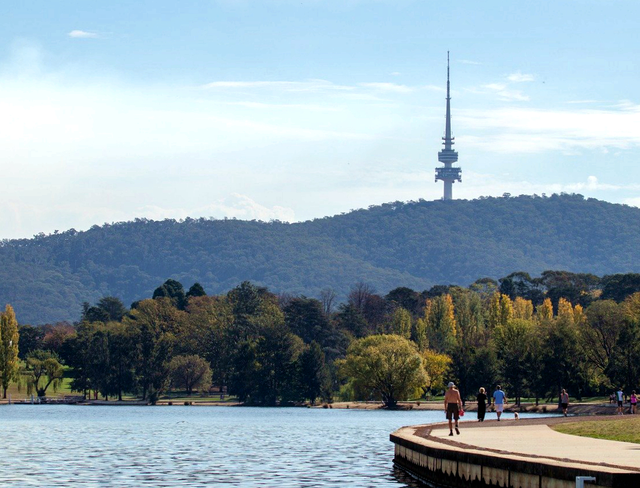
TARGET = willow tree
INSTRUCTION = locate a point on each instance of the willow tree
(386, 366)
(9, 362)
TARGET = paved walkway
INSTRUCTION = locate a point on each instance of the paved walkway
(536, 439)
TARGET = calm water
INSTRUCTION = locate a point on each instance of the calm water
(61, 445)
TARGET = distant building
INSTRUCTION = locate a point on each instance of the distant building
(448, 156)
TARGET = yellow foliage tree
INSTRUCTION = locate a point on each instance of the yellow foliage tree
(522, 309)
(544, 312)
(500, 310)
(436, 365)
(565, 312)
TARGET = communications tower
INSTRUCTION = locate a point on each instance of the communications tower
(448, 156)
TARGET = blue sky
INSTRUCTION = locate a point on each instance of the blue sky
(294, 110)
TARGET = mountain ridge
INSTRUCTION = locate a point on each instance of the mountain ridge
(414, 244)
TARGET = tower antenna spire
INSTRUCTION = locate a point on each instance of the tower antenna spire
(448, 174)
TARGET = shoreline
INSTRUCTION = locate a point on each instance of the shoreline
(577, 409)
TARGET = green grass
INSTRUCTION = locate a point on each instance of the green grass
(625, 429)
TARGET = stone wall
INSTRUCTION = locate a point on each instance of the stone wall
(441, 465)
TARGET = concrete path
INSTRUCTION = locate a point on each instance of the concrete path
(537, 439)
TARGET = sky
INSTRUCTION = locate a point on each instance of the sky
(293, 110)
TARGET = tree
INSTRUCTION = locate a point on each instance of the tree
(389, 366)
(156, 323)
(173, 290)
(305, 318)
(404, 297)
(512, 342)
(436, 366)
(190, 372)
(208, 334)
(441, 324)
(500, 310)
(327, 297)
(522, 309)
(9, 337)
(401, 323)
(30, 339)
(599, 334)
(311, 372)
(196, 290)
(42, 371)
(264, 362)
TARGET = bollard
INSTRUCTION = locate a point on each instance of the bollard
(581, 479)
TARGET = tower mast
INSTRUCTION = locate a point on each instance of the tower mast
(448, 174)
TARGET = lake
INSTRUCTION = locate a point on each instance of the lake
(91, 446)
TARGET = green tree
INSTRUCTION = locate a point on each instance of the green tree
(208, 334)
(512, 342)
(9, 338)
(599, 335)
(30, 339)
(191, 373)
(156, 323)
(441, 324)
(196, 290)
(401, 323)
(311, 372)
(173, 290)
(389, 366)
(43, 370)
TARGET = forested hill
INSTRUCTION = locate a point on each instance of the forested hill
(416, 244)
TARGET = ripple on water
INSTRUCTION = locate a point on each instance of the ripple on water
(61, 445)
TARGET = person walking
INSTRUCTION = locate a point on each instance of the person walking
(499, 399)
(452, 406)
(620, 398)
(564, 401)
(482, 405)
(633, 399)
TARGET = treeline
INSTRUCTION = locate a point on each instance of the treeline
(415, 244)
(533, 335)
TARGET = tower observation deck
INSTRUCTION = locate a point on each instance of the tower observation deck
(448, 173)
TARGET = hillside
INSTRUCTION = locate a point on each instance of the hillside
(416, 244)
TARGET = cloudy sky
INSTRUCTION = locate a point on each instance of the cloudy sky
(290, 110)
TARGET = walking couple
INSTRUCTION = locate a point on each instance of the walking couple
(499, 399)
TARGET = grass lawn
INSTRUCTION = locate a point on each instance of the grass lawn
(625, 429)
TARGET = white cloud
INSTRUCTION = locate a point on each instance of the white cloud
(234, 206)
(529, 130)
(395, 73)
(633, 201)
(388, 87)
(519, 77)
(294, 86)
(80, 34)
(468, 61)
(505, 94)
(582, 101)
(284, 106)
